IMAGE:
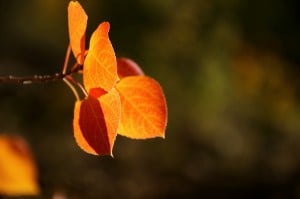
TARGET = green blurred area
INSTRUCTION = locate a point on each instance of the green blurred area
(230, 72)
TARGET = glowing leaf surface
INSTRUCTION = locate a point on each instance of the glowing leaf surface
(144, 109)
(96, 120)
(100, 66)
(77, 22)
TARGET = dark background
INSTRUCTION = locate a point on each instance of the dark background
(230, 72)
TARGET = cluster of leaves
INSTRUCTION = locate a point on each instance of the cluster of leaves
(119, 99)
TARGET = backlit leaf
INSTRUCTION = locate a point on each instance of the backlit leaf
(127, 67)
(144, 109)
(96, 120)
(100, 66)
(77, 21)
(18, 175)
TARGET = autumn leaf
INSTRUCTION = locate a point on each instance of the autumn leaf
(77, 22)
(144, 109)
(96, 120)
(18, 175)
(127, 67)
(100, 66)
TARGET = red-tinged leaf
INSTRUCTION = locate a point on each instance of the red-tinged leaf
(18, 173)
(77, 21)
(144, 108)
(96, 120)
(100, 66)
(127, 67)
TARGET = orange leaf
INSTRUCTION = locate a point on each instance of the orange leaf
(18, 175)
(144, 109)
(100, 66)
(127, 67)
(96, 120)
(77, 21)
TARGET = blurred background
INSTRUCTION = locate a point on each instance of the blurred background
(230, 72)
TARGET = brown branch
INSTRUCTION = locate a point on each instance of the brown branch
(38, 78)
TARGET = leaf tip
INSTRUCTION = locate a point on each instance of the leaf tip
(163, 136)
(106, 25)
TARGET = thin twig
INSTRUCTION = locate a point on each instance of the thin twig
(38, 78)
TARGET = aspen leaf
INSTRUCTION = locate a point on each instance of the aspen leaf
(100, 66)
(144, 109)
(77, 22)
(18, 175)
(96, 120)
(127, 67)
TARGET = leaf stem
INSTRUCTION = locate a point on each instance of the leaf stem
(70, 85)
(74, 81)
(67, 57)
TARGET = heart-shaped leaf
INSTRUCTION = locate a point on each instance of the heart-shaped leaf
(77, 22)
(144, 109)
(100, 66)
(96, 120)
